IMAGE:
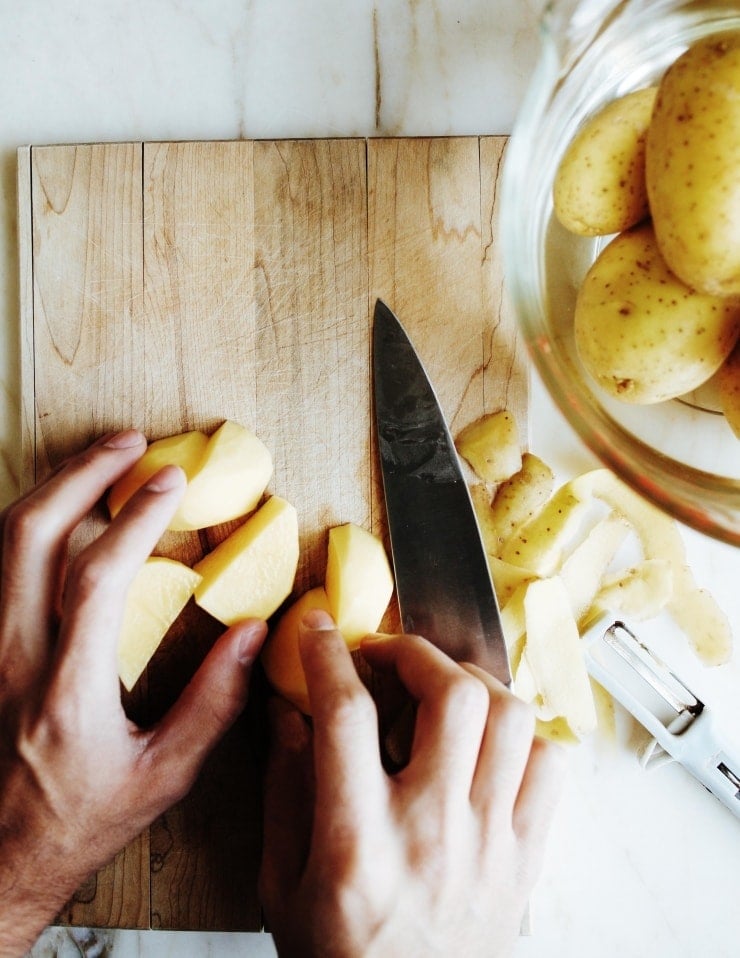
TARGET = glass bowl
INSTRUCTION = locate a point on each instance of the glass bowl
(681, 454)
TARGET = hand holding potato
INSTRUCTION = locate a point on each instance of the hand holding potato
(437, 859)
(77, 779)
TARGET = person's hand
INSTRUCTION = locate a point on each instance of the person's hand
(438, 859)
(78, 780)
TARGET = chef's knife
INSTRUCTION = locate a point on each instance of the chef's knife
(443, 583)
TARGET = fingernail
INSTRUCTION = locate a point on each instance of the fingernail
(250, 642)
(318, 621)
(170, 477)
(125, 439)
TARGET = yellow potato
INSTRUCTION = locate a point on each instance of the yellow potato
(491, 446)
(643, 334)
(728, 383)
(692, 172)
(281, 656)
(359, 581)
(155, 598)
(251, 572)
(600, 183)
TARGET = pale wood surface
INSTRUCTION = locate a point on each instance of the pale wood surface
(174, 285)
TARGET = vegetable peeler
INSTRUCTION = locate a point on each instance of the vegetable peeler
(681, 724)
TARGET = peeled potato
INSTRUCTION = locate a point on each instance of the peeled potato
(359, 581)
(281, 656)
(155, 598)
(227, 474)
(251, 573)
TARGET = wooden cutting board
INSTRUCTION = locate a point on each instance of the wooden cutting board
(173, 285)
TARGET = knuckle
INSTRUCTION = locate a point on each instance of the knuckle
(466, 695)
(24, 526)
(348, 705)
(514, 711)
(89, 576)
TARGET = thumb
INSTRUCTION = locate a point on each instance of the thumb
(288, 803)
(209, 705)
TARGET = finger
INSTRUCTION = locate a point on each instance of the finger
(99, 578)
(349, 775)
(35, 531)
(206, 709)
(451, 713)
(540, 792)
(288, 803)
(505, 749)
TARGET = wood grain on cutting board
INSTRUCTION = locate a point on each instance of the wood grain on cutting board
(173, 285)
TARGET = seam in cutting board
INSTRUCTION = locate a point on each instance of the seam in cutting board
(32, 258)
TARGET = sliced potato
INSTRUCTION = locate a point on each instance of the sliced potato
(491, 446)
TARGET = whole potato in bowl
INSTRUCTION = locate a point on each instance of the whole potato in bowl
(642, 334)
(692, 165)
(600, 184)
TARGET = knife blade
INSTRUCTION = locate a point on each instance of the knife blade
(443, 582)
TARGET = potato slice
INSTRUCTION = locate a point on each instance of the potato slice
(281, 657)
(554, 655)
(159, 592)
(491, 446)
(252, 571)
(359, 581)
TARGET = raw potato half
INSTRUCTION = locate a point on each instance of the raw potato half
(281, 656)
(184, 450)
(156, 597)
(229, 481)
(227, 474)
(251, 573)
(359, 581)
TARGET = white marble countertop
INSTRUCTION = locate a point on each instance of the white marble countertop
(640, 863)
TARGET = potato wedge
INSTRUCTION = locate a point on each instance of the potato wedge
(491, 446)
